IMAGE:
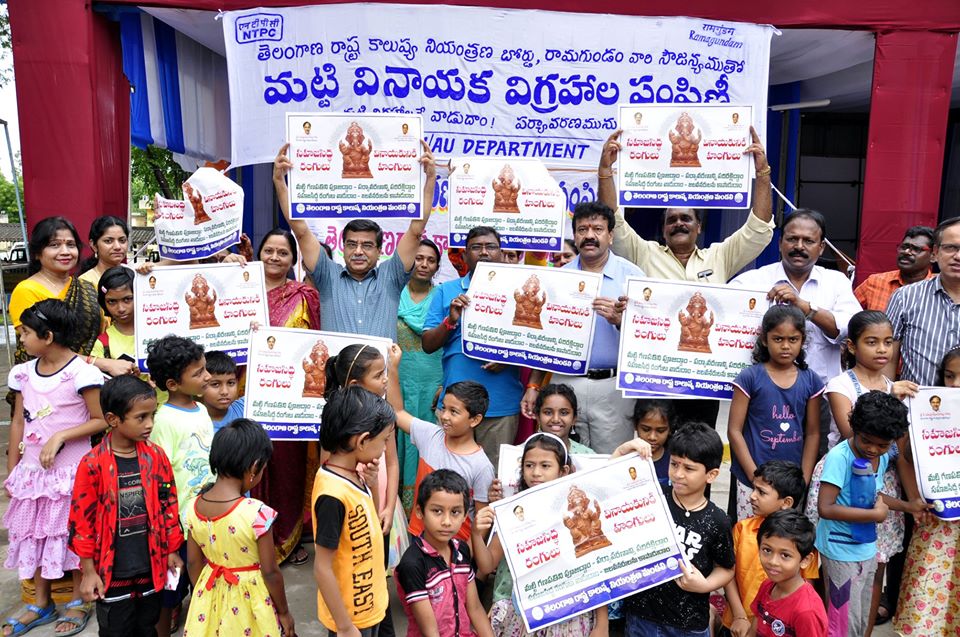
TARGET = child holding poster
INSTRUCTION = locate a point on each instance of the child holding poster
(775, 412)
(545, 458)
(929, 604)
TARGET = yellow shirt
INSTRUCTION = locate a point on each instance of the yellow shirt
(92, 277)
(358, 559)
(123, 344)
(725, 258)
(748, 572)
(29, 292)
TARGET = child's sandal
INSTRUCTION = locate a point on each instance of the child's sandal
(44, 616)
(79, 623)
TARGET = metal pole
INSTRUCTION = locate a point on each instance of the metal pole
(6, 323)
(16, 189)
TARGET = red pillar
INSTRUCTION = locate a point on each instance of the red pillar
(910, 100)
(74, 105)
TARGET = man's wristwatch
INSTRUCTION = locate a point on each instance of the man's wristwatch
(813, 310)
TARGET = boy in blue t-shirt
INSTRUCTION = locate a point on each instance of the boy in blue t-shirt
(878, 419)
(220, 394)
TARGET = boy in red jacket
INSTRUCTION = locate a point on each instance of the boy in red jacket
(124, 521)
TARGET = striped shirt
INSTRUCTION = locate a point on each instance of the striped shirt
(423, 575)
(926, 322)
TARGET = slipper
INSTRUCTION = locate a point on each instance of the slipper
(79, 623)
(883, 615)
(44, 616)
(175, 619)
(299, 556)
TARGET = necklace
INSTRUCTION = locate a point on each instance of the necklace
(57, 284)
(206, 499)
(341, 467)
(129, 452)
(687, 511)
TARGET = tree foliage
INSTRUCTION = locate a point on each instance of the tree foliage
(153, 170)
(8, 198)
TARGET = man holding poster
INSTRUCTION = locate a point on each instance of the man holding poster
(359, 298)
(603, 420)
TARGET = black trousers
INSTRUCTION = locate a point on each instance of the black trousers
(134, 617)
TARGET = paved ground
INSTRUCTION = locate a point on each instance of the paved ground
(300, 587)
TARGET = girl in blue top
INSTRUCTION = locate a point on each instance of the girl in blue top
(775, 413)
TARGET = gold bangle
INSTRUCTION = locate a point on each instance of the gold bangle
(607, 175)
(763, 172)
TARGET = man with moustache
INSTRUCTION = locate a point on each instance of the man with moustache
(442, 329)
(680, 259)
(824, 296)
(603, 415)
(913, 264)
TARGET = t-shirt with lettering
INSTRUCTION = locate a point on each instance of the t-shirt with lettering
(345, 521)
(799, 614)
(707, 543)
(773, 429)
(132, 553)
(475, 468)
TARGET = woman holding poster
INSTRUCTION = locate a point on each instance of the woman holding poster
(287, 478)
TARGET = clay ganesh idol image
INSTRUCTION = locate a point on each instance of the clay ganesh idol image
(506, 189)
(694, 326)
(685, 143)
(583, 521)
(356, 149)
(530, 300)
(315, 371)
(202, 301)
(196, 201)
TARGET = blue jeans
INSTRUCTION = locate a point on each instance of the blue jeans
(639, 627)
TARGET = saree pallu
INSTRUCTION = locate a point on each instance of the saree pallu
(421, 374)
(284, 484)
(79, 296)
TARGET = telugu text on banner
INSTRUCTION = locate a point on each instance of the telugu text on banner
(585, 540)
(488, 82)
(212, 304)
(537, 317)
(519, 198)
(683, 155)
(356, 166)
(208, 219)
(287, 377)
(686, 339)
(935, 441)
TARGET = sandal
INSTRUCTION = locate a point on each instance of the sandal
(299, 556)
(175, 619)
(79, 623)
(44, 616)
(883, 614)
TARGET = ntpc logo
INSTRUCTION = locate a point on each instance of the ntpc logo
(259, 27)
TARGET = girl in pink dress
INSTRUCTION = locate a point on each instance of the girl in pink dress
(56, 409)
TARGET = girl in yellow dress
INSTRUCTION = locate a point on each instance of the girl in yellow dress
(238, 588)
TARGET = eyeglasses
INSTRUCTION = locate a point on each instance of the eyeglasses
(948, 249)
(483, 247)
(911, 248)
(366, 246)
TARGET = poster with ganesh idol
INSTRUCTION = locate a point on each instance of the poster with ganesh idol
(587, 539)
(286, 377)
(935, 442)
(684, 155)
(352, 165)
(686, 339)
(532, 316)
(214, 305)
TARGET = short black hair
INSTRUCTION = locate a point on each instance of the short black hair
(350, 411)
(587, 209)
(792, 525)
(805, 213)
(168, 358)
(364, 225)
(51, 316)
(785, 477)
(116, 278)
(482, 231)
(556, 389)
(878, 414)
(937, 233)
(698, 442)
(286, 234)
(119, 393)
(218, 362)
(239, 447)
(443, 480)
(472, 394)
(919, 231)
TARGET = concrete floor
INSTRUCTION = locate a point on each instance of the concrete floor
(300, 586)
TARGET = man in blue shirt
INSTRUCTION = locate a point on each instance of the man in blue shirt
(603, 421)
(442, 329)
(359, 298)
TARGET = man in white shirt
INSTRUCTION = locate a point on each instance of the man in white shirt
(824, 296)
